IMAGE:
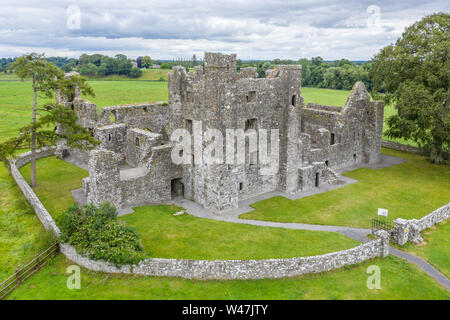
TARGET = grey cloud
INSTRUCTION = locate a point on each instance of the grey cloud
(256, 29)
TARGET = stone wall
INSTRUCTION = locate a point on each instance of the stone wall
(241, 269)
(32, 198)
(405, 230)
(400, 147)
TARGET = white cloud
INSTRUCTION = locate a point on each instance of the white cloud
(167, 29)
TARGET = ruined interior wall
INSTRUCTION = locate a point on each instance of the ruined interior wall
(113, 138)
(155, 185)
(142, 116)
(357, 129)
(139, 144)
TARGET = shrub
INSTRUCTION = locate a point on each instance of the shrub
(95, 232)
(135, 72)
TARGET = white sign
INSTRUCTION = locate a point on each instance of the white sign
(382, 212)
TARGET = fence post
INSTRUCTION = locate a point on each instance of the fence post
(17, 276)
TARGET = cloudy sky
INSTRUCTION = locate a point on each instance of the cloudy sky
(167, 29)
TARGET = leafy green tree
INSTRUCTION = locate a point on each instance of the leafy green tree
(43, 76)
(146, 62)
(414, 75)
(135, 72)
(165, 65)
(46, 78)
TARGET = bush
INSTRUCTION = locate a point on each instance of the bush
(135, 72)
(165, 65)
(95, 232)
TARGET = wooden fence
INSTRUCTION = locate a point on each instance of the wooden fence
(28, 270)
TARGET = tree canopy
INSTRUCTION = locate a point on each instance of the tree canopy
(413, 74)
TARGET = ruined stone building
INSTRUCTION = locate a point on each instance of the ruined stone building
(133, 163)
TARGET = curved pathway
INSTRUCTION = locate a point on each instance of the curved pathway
(358, 234)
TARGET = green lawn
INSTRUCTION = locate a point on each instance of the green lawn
(408, 190)
(435, 248)
(22, 235)
(16, 98)
(56, 179)
(186, 237)
(399, 280)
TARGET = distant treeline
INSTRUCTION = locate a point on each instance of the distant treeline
(340, 74)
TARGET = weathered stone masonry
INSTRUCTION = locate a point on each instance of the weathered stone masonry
(133, 164)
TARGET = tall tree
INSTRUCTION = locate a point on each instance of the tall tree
(46, 78)
(414, 75)
(146, 62)
(43, 76)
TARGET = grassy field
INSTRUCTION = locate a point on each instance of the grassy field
(56, 179)
(186, 237)
(399, 280)
(22, 235)
(16, 99)
(408, 190)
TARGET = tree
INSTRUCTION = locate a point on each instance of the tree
(146, 62)
(43, 76)
(165, 65)
(46, 78)
(135, 72)
(414, 75)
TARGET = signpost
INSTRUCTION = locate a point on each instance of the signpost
(382, 212)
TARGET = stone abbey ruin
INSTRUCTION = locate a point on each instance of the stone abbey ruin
(133, 163)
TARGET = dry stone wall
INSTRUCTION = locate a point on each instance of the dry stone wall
(405, 230)
(400, 147)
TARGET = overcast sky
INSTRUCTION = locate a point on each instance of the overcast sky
(167, 29)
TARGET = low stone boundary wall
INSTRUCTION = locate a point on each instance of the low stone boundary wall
(241, 269)
(405, 230)
(37, 205)
(206, 269)
(400, 147)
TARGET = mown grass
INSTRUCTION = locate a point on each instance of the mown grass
(408, 190)
(56, 179)
(186, 237)
(22, 235)
(16, 98)
(435, 248)
(399, 280)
